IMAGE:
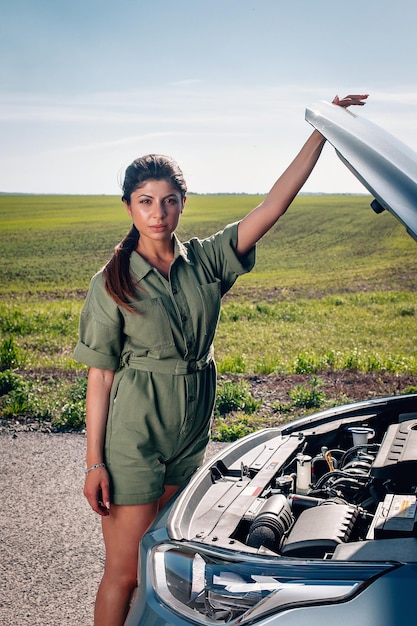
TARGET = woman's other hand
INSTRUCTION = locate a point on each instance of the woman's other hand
(97, 491)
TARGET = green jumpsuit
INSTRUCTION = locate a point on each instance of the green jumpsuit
(163, 391)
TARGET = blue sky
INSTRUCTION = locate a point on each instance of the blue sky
(220, 85)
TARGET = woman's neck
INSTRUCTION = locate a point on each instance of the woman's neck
(158, 254)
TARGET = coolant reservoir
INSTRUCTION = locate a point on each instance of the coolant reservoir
(303, 473)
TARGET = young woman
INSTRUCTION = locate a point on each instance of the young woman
(146, 333)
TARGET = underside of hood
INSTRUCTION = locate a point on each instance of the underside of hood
(384, 165)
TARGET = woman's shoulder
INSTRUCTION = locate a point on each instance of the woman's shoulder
(97, 296)
(97, 284)
(97, 281)
(228, 233)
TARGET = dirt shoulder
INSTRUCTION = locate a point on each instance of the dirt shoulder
(337, 388)
(274, 392)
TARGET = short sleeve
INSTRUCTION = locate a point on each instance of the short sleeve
(218, 254)
(229, 242)
(100, 329)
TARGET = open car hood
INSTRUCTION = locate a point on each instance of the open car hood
(382, 163)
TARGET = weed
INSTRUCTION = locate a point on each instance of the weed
(23, 398)
(268, 365)
(305, 363)
(16, 401)
(352, 361)
(235, 397)
(10, 381)
(10, 356)
(233, 364)
(308, 396)
(72, 414)
(230, 431)
(15, 404)
(409, 389)
(278, 407)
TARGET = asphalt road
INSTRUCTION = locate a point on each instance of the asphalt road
(51, 553)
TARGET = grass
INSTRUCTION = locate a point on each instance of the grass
(333, 288)
(55, 244)
(300, 335)
(363, 331)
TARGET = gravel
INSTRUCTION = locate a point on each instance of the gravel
(51, 552)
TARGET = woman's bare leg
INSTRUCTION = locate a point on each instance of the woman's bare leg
(122, 531)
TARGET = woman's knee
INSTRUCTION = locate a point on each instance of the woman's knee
(122, 576)
(121, 565)
(123, 530)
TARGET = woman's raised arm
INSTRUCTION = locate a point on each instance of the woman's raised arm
(283, 192)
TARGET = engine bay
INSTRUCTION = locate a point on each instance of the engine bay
(309, 493)
(331, 496)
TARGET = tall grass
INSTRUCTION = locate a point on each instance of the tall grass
(363, 332)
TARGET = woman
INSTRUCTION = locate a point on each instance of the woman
(146, 333)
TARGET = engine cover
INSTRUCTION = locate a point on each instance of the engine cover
(397, 457)
(320, 530)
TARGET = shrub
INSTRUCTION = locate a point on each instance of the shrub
(308, 397)
(10, 381)
(72, 414)
(10, 357)
(235, 397)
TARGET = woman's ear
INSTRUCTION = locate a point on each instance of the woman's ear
(183, 203)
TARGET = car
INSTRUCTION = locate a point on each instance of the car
(314, 521)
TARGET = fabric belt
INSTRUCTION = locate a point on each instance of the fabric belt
(176, 367)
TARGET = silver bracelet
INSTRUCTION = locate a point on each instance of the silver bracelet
(93, 467)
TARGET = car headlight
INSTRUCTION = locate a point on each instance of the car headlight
(208, 587)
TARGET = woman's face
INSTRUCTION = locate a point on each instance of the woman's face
(155, 208)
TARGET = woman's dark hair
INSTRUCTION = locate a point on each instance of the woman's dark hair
(118, 279)
(152, 167)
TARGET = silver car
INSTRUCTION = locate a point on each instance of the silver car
(314, 522)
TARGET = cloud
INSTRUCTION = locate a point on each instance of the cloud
(190, 100)
(240, 134)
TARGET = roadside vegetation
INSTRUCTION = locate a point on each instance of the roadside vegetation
(333, 292)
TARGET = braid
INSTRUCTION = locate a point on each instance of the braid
(118, 279)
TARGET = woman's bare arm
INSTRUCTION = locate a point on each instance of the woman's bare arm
(97, 484)
(283, 192)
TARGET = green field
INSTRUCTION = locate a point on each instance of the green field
(324, 244)
(333, 288)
